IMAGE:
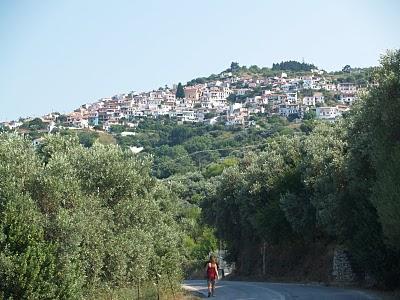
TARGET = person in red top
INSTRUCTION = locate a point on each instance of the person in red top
(212, 275)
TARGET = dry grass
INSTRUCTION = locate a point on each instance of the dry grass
(145, 294)
(106, 138)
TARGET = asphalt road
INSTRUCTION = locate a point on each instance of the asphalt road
(243, 290)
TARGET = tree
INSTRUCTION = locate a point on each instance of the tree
(87, 138)
(180, 92)
(117, 128)
(171, 160)
(28, 268)
(374, 137)
(322, 172)
(234, 67)
(215, 169)
(30, 265)
(179, 134)
(35, 125)
(201, 144)
(245, 206)
(377, 118)
(231, 98)
(309, 115)
(293, 117)
(292, 65)
(254, 69)
(307, 126)
(62, 119)
(346, 69)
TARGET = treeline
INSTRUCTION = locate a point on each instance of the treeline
(178, 149)
(359, 76)
(338, 185)
(75, 219)
(293, 65)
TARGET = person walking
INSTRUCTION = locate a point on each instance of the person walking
(212, 275)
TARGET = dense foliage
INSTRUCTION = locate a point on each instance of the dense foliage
(74, 219)
(293, 65)
(337, 184)
(77, 215)
(180, 92)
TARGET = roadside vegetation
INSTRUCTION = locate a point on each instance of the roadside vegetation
(82, 217)
(75, 219)
(336, 185)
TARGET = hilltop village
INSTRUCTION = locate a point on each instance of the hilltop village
(291, 89)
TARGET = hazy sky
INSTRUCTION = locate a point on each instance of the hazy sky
(57, 55)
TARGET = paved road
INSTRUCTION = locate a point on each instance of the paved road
(240, 290)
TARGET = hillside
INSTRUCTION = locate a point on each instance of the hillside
(297, 197)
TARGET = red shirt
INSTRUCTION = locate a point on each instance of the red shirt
(211, 271)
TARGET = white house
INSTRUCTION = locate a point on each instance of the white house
(329, 87)
(289, 109)
(317, 97)
(187, 116)
(241, 92)
(347, 98)
(12, 124)
(291, 98)
(309, 101)
(347, 88)
(327, 113)
(216, 96)
(342, 109)
(236, 114)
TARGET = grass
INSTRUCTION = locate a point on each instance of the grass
(148, 292)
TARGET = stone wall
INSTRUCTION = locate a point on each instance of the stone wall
(342, 270)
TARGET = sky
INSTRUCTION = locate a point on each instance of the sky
(58, 55)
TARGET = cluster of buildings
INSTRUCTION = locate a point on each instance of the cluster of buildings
(229, 99)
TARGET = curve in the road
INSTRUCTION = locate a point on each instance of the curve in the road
(241, 290)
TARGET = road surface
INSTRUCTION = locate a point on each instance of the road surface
(243, 290)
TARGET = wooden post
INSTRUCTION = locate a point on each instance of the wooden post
(263, 258)
(138, 289)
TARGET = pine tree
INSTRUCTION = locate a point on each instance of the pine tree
(180, 93)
